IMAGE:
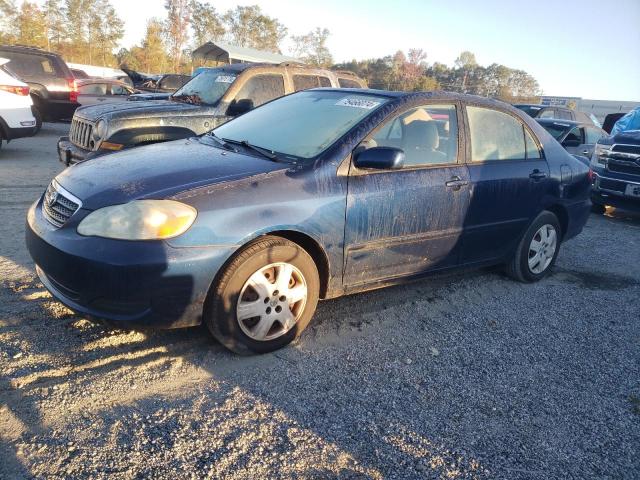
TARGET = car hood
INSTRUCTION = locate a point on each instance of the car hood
(631, 137)
(145, 109)
(158, 171)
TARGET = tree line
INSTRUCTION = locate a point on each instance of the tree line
(411, 72)
(90, 31)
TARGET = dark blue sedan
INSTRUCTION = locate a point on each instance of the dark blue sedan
(315, 195)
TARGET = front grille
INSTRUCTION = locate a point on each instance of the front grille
(613, 185)
(624, 167)
(633, 149)
(80, 133)
(58, 205)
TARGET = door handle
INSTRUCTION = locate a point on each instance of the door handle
(456, 182)
(537, 175)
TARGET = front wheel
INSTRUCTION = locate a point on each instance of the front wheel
(598, 208)
(265, 297)
(538, 249)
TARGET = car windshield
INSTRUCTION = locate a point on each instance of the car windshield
(206, 88)
(531, 110)
(556, 129)
(301, 125)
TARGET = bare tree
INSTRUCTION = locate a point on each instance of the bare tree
(249, 27)
(206, 24)
(177, 28)
(312, 47)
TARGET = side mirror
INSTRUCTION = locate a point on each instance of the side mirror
(570, 142)
(238, 107)
(380, 158)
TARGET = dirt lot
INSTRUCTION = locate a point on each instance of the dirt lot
(462, 376)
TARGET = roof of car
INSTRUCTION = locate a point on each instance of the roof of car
(538, 105)
(430, 95)
(86, 81)
(26, 48)
(562, 122)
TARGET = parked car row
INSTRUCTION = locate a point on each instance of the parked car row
(286, 184)
(613, 152)
(212, 97)
(559, 113)
(616, 166)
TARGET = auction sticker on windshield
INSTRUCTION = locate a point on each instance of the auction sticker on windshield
(357, 103)
(225, 78)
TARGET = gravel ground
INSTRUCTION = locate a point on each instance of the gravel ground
(461, 376)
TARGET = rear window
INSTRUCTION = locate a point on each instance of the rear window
(31, 65)
(556, 129)
(348, 83)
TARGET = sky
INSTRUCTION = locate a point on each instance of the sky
(578, 48)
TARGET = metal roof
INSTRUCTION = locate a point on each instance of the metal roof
(222, 52)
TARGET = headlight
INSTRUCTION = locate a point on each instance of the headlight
(600, 154)
(101, 130)
(139, 220)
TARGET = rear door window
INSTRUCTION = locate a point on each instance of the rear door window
(262, 88)
(547, 113)
(304, 82)
(348, 83)
(495, 135)
(564, 114)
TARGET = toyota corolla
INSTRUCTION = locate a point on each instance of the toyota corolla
(315, 195)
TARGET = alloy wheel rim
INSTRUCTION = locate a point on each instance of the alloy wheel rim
(271, 301)
(542, 248)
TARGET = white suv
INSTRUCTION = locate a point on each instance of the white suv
(16, 117)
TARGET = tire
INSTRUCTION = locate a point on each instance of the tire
(598, 208)
(520, 268)
(270, 258)
(38, 116)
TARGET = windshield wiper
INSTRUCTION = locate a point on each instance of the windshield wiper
(221, 141)
(270, 154)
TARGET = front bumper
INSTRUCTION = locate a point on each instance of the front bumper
(21, 132)
(138, 284)
(610, 189)
(68, 153)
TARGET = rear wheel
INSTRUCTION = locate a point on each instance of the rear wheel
(265, 297)
(38, 116)
(538, 249)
